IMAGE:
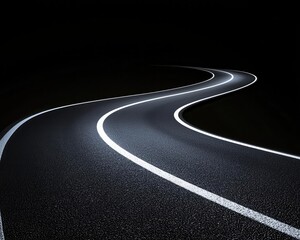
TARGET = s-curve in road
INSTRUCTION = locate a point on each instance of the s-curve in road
(132, 168)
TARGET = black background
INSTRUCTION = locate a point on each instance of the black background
(42, 34)
(44, 38)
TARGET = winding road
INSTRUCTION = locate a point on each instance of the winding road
(132, 168)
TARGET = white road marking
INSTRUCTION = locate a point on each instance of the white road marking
(7, 136)
(177, 114)
(1, 229)
(256, 216)
(288, 229)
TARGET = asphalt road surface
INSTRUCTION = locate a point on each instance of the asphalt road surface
(132, 168)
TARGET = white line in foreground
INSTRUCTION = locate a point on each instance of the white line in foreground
(1, 229)
(247, 212)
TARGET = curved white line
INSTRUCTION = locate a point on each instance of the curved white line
(182, 183)
(179, 119)
(247, 212)
(12, 130)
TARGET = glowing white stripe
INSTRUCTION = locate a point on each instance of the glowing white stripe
(1, 229)
(291, 231)
(256, 216)
(8, 135)
(182, 122)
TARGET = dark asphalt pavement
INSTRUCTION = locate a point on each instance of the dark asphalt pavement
(60, 180)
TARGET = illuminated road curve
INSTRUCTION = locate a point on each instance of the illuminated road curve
(149, 175)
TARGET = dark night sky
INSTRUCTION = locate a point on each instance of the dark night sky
(41, 33)
(233, 35)
(44, 35)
